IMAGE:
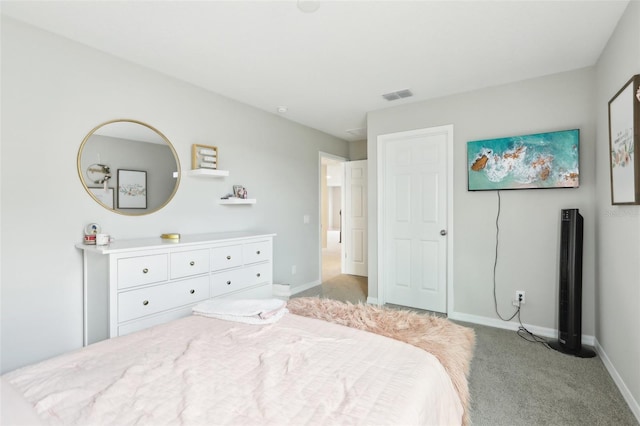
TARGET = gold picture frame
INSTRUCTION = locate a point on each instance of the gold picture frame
(204, 157)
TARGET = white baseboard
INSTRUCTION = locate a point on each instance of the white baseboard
(372, 300)
(302, 287)
(509, 325)
(624, 390)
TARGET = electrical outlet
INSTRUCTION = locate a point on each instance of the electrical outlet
(293, 270)
(520, 297)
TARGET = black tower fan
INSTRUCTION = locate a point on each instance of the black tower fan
(570, 300)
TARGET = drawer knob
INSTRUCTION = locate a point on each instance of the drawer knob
(145, 270)
(145, 303)
(258, 275)
(192, 291)
(192, 263)
(228, 282)
(228, 257)
(258, 252)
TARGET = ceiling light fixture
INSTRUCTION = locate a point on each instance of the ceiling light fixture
(282, 109)
(308, 6)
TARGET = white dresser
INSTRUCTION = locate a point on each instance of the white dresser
(130, 285)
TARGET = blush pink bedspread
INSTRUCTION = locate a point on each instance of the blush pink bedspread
(204, 371)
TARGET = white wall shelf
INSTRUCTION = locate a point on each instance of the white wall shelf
(207, 172)
(231, 201)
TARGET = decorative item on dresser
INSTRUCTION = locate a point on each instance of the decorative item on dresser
(130, 285)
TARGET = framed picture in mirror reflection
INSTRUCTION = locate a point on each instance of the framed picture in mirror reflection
(132, 189)
(104, 195)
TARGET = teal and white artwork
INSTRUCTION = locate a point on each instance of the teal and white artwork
(543, 160)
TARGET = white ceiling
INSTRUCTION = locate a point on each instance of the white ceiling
(330, 67)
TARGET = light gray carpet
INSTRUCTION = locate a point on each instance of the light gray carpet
(514, 382)
(348, 288)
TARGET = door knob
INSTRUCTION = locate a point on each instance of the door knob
(443, 232)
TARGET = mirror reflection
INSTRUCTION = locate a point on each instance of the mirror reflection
(128, 167)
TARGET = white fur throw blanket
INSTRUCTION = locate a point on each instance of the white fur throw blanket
(450, 343)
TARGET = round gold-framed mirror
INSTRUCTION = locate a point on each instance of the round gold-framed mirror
(128, 167)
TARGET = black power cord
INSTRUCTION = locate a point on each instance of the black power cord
(529, 336)
(495, 266)
(522, 330)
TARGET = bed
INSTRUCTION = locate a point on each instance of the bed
(323, 362)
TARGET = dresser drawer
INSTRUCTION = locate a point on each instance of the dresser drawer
(227, 281)
(150, 321)
(187, 263)
(134, 271)
(238, 279)
(226, 257)
(257, 274)
(150, 300)
(262, 291)
(256, 252)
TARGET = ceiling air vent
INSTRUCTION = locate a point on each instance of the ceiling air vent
(359, 132)
(399, 94)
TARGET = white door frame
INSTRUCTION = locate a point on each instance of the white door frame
(381, 173)
(322, 155)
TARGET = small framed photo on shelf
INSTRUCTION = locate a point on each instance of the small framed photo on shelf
(239, 191)
(204, 157)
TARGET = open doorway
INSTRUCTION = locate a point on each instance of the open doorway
(331, 217)
(337, 275)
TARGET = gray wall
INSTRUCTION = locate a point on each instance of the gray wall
(358, 150)
(618, 227)
(529, 220)
(53, 93)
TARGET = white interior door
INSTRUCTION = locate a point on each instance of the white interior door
(413, 248)
(355, 219)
